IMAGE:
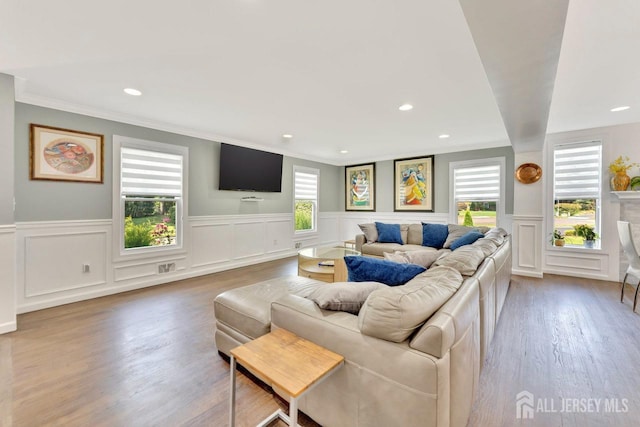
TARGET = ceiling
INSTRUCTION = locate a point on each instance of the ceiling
(332, 73)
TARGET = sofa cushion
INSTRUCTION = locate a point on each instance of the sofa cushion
(455, 232)
(496, 235)
(466, 239)
(247, 309)
(389, 233)
(424, 258)
(434, 235)
(487, 245)
(379, 249)
(367, 269)
(404, 233)
(466, 260)
(414, 234)
(393, 314)
(370, 232)
(343, 296)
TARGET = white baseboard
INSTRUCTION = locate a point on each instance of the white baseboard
(8, 327)
(526, 273)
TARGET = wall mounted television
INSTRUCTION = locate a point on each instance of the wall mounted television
(246, 169)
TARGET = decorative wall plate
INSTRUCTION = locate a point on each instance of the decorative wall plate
(528, 173)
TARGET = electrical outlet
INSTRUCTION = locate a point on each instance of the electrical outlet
(86, 268)
(275, 242)
(166, 268)
(298, 245)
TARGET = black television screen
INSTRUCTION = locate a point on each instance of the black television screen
(246, 169)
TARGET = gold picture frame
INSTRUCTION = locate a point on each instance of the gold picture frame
(58, 154)
(413, 184)
(360, 188)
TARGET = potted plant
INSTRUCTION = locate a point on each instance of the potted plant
(557, 238)
(587, 232)
(618, 168)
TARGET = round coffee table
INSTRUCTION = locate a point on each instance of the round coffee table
(320, 263)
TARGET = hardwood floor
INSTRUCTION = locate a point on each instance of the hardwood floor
(139, 358)
(148, 357)
(563, 337)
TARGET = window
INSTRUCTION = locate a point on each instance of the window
(305, 198)
(576, 188)
(150, 187)
(478, 192)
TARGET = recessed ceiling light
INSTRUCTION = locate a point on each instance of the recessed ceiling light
(287, 136)
(621, 108)
(132, 91)
(344, 151)
(443, 136)
(405, 107)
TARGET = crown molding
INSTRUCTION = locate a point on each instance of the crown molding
(23, 96)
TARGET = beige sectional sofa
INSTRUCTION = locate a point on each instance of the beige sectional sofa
(427, 379)
(411, 235)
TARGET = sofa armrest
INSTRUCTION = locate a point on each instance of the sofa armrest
(449, 324)
(360, 240)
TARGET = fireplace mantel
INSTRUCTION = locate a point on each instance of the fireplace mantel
(623, 195)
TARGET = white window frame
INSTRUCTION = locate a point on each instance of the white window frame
(119, 251)
(316, 209)
(500, 203)
(550, 191)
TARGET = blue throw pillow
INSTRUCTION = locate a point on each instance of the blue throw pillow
(367, 269)
(388, 233)
(466, 239)
(434, 235)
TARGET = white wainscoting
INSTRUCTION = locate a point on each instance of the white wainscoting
(51, 254)
(577, 262)
(527, 245)
(8, 278)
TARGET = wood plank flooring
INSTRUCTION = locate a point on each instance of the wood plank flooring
(141, 358)
(562, 338)
(148, 358)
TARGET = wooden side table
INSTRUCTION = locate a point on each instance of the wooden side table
(292, 363)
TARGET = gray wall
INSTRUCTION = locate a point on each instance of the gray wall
(51, 200)
(6, 144)
(384, 178)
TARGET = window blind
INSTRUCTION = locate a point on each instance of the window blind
(306, 186)
(576, 171)
(150, 173)
(477, 183)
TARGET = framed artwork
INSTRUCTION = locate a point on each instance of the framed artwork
(65, 155)
(360, 188)
(413, 184)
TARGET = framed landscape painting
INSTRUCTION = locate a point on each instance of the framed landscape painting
(360, 187)
(65, 155)
(413, 184)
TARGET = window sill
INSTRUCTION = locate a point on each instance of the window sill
(305, 235)
(576, 249)
(149, 254)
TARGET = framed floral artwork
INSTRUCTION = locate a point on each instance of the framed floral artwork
(360, 187)
(65, 155)
(413, 184)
